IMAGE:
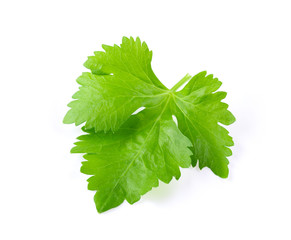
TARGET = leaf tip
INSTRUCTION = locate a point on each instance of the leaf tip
(74, 150)
(68, 118)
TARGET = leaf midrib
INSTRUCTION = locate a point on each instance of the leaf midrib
(135, 157)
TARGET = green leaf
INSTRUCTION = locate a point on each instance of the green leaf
(121, 82)
(128, 163)
(199, 110)
(128, 154)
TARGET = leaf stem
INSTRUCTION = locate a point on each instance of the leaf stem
(181, 82)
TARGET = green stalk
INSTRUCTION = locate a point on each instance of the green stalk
(181, 82)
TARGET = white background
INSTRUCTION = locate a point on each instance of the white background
(246, 44)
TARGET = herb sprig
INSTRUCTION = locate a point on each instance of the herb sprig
(127, 154)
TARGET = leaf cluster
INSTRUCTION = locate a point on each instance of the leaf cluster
(126, 153)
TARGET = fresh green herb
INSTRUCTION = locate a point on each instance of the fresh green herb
(127, 154)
